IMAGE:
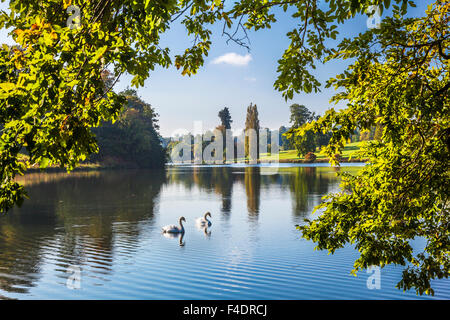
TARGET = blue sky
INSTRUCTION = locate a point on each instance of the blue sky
(181, 100)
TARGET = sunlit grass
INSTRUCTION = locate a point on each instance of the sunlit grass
(349, 150)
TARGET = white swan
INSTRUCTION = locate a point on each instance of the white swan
(173, 228)
(204, 220)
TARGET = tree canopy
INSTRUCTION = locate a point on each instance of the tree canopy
(252, 122)
(399, 82)
(51, 90)
(300, 115)
(225, 118)
(309, 141)
(133, 140)
(252, 119)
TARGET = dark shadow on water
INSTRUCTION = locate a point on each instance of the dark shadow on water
(75, 219)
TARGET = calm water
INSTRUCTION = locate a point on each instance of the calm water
(108, 225)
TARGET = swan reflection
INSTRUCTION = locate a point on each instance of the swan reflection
(174, 236)
(207, 232)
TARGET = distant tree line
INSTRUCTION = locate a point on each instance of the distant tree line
(208, 137)
(312, 141)
(134, 139)
(300, 115)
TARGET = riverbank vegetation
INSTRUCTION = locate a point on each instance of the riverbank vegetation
(290, 147)
(133, 140)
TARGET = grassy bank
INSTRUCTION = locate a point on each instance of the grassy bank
(85, 166)
(348, 154)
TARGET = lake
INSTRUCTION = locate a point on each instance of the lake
(97, 235)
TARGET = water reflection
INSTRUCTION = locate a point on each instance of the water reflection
(89, 218)
(109, 224)
(179, 236)
(206, 230)
(301, 182)
(253, 190)
(76, 219)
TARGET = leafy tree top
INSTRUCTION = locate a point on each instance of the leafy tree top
(252, 120)
(300, 115)
(225, 118)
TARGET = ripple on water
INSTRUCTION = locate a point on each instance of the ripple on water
(109, 225)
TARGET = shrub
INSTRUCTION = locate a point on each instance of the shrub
(310, 157)
(339, 157)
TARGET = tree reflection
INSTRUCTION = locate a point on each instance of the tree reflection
(76, 219)
(253, 190)
(92, 219)
(218, 180)
(306, 184)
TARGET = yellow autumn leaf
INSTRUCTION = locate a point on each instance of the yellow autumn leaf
(18, 32)
(66, 3)
(6, 88)
(18, 64)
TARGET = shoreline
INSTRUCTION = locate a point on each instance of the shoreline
(293, 161)
(100, 167)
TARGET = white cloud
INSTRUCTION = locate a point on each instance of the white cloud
(233, 59)
(250, 79)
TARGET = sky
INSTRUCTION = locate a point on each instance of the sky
(233, 77)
